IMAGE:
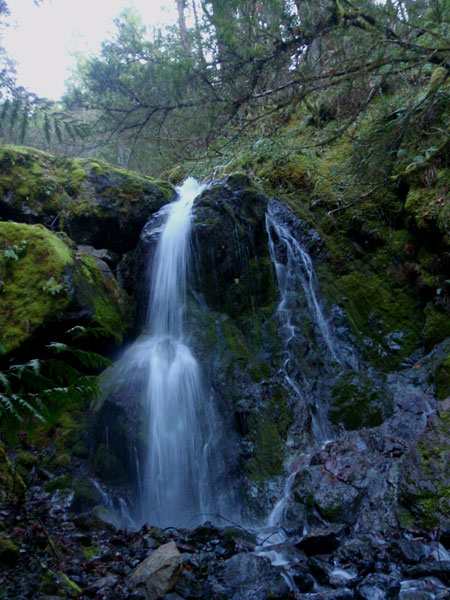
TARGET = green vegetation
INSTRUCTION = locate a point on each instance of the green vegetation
(23, 305)
(268, 429)
(359, 402)
(442, 378)
(425, 488)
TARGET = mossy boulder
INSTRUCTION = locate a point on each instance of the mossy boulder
(436, 328)
(441, 377)
(424, 484)
(27, 460)
(59, 483)
(86, 496)
(9, 552)
(358, 401)
(93, 202)
(44, 283)
(11, 484)
(429, 205)
(229, 230)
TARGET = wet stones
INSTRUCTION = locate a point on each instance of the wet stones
(158, 573)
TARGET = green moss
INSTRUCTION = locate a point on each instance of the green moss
(62, 461)
(59, 483)
(27, 460)
(86, 496)
(9, 552)
(425, 490)
(356, 404)
(379, 311)
(287, 175)
(39, 179)
(436, 328)
(11, 484)
(101, 292)
(89, 552)
(405, 519)
(23, 303)
(268, 449)
(430, 207)
(442, 379)
(267, 431)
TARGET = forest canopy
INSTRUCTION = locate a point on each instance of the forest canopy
(236, 72)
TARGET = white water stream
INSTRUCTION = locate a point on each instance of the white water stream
(159, 370)
(174, 491)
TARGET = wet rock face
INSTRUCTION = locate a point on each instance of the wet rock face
(359, 401)
(269, 390)
(425, 473)
(235, 274)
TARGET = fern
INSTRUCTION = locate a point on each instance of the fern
(27, 390)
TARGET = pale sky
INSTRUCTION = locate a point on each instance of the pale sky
(46, 35)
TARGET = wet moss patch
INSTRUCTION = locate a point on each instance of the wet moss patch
(359, 402)
(27, 295)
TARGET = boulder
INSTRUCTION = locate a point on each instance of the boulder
(424, 488)
(91, 201)
(378, 586)
(158, 573)
(249, 577)
(46, 286)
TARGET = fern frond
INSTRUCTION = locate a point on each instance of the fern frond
(4, 380)
(7, 404)
(29, 408)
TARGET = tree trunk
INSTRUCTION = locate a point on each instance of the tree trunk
(182, 27)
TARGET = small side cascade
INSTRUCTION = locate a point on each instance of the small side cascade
(295, 274)
(293, 266)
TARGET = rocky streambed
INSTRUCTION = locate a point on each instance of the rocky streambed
(54, 543)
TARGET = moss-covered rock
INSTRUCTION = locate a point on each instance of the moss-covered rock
(236, 273)
(93, 202)
(9, 552)
(27, 460)
(86, 496)
(429, 206)
(424, 487)
(436, 328)
(268, 427)
(359, 402)
(43, 283)
(11, 484)
(441, 377)
(59, 483)
(32, 283)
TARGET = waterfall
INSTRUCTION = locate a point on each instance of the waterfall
(295, 267)
(160, 373)
(174, 482)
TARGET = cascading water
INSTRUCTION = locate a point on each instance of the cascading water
(295, 274)
(174, 490)
(160, 369)
(294, 267)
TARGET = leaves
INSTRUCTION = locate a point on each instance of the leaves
(28, 389)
